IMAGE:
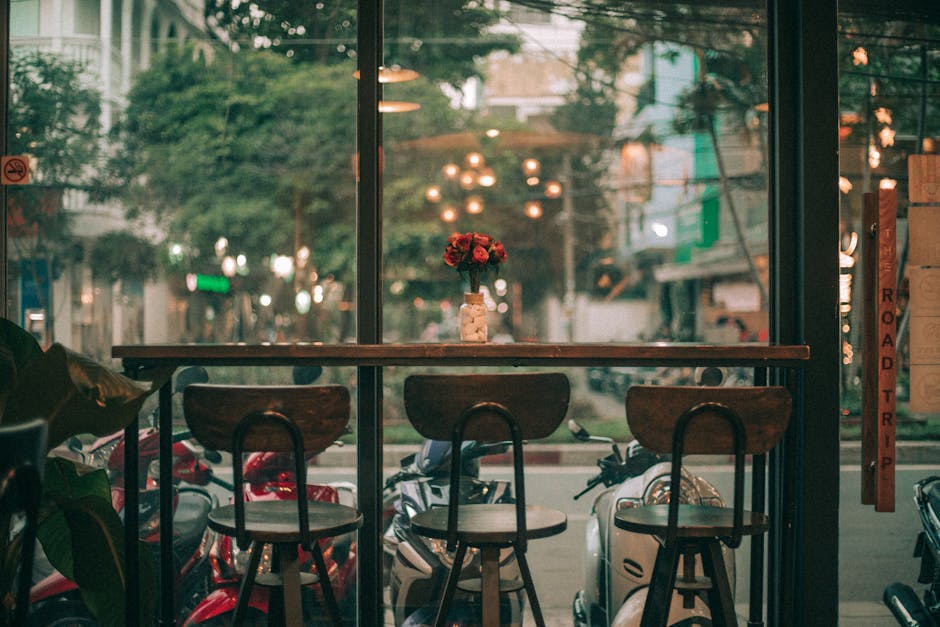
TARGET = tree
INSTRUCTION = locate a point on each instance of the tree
(54, 119)
(258, 149)
(444, 38)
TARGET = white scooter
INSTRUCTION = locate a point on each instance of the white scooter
(619, 563)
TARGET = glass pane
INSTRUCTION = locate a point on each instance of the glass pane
(889, 63)
(618, 154)
(185, 190)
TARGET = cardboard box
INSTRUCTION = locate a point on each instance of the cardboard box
(923, 178)
(925, 340)
(925, 291)
(925, 389)
(924, 235)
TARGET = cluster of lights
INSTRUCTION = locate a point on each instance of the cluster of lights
(475, 173)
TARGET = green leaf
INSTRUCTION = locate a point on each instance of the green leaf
(75, 395)
(83, 538)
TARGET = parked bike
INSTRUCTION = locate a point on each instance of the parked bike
(56, 601)
(907, 608)
(619, 563)
(418, 566)
(270, 476)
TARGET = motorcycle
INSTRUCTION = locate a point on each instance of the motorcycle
(417, 567)
(55, 600)
(619, 563)
(269, 476)
(905, 606)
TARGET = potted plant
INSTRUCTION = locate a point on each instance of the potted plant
(80, 532)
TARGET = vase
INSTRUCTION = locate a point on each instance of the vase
(473, 318)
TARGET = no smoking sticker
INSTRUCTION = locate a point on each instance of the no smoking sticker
(14, 170)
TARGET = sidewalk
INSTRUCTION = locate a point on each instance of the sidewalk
(581, 454)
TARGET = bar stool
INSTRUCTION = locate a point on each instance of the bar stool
(700, 420)
(487, 408)
(297, 419)
(23, 453)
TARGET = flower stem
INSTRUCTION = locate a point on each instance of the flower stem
(474, 280)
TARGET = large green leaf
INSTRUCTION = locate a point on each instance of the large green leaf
(75, 395)
(83, 538)
(17, 349)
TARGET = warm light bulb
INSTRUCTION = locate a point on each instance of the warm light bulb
(874, 157)
(487, 178)
(449, 214)
(886, 135)
(887, 184)
(433, 194)
(531, 167)
(859, 56)
(467, 179)
(553, 189)
(451, 171)
(492, 133)
(474, 205)
(845, 185)
(474, 160)
(533, 209)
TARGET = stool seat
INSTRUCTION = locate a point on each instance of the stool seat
(695, 521)
(277, 521)
(490, 524)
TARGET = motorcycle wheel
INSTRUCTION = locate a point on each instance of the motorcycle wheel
(62, 614)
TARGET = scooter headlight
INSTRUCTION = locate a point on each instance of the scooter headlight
(439, 547)
(659, 490)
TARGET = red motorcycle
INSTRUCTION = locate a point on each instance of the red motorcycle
(268, 476)
(56, 601)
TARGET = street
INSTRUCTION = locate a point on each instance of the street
(875, 548)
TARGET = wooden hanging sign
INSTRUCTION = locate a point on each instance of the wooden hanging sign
(887, 353)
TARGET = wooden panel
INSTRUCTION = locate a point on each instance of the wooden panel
(925, 339)
(923, 235)
(887, 342)
(213, 411)
(925, 291)
(924, 178)
(538, 403)
(925, 388)
(510, 354)
(653, 411)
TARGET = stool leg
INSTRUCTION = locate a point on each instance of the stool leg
(720, 595)
(530, 589)
(451, 586)
(662, 582)
(290, 585)
(244, 591)
(326, 586)
(490, 585)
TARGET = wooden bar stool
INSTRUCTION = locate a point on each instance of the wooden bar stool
(298, 419)
(487, 408)
(700, 420)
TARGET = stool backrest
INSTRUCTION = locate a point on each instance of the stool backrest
(213, 412)
(245, 418)
(487, 408)
(654, 411)
(729, 420)
(435, 404)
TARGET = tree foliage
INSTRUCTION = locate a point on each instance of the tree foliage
(53, 118)
(445, 38)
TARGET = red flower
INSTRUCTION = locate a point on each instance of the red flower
(498, 254)
(473, 253)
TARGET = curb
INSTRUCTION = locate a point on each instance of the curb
(588, 454)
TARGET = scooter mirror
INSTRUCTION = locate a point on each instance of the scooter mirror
(577, 430)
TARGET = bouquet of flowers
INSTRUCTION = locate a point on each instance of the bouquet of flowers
(473, 253)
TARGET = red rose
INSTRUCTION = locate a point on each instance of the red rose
(480, 255)
(464, 241)
(483, 240)
(498, 253)
(452, 256)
